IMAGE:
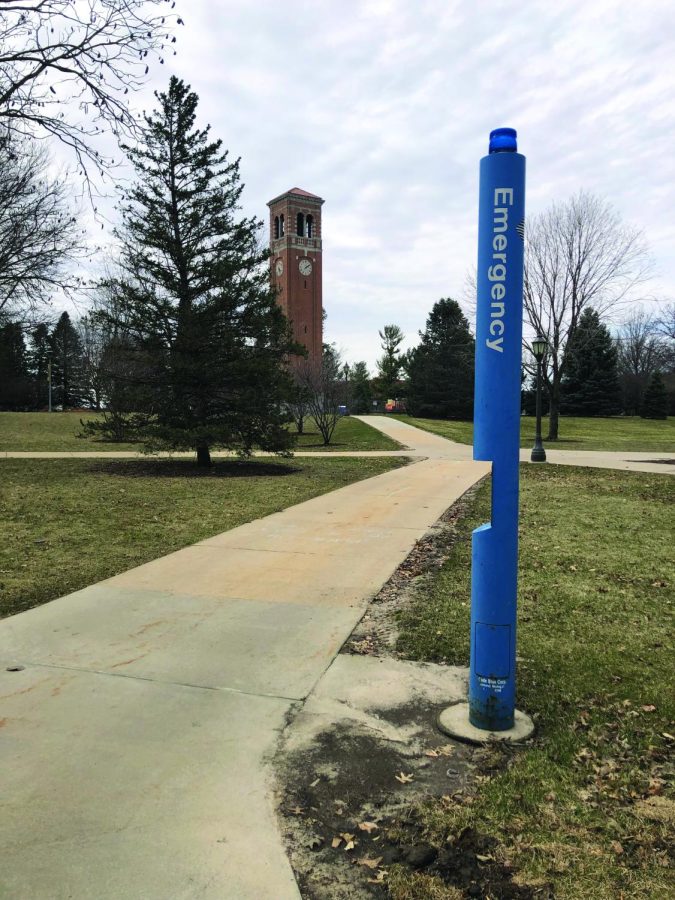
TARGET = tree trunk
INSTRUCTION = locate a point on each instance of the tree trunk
(203, 455)
(554, 412)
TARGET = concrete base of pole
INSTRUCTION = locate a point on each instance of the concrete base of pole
(454, 721)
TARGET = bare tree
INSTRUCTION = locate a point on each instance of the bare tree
(324, 389)
(578, 254)
(299, 404)
(665, 323)
(640, 348)
(68, 66)
(39, 233)
(641, 352)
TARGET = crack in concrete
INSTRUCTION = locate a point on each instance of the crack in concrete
(198, 687)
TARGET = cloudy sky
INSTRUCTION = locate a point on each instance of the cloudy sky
(383, 108)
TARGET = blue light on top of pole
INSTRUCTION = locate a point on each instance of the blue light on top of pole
(503, 140)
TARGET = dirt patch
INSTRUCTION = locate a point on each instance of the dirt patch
(344, 796)
(347, 812)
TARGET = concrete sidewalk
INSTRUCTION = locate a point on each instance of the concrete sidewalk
(417, 443)
(432, 445)
(136, 731)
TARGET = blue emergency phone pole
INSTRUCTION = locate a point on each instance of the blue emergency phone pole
(494, 573)
(490, 712)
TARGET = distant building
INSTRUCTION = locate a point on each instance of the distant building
(295, 246)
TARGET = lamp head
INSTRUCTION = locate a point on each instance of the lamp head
(539, 347)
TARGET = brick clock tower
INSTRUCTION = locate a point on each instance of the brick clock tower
(295, 246)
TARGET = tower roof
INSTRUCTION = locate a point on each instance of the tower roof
(296, 192)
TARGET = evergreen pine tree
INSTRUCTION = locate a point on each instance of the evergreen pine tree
(655, 400)
(590, 386)
(196, 296)
(362, 394)
(390, 363)
(39, 351)
(441, 368)
(66, 347)
(15, 386)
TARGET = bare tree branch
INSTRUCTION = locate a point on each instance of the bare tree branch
(665, 323)
(67, 67)
(40, 237)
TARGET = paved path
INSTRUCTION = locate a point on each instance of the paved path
(435, 446)
(418, 443)
(134, 739)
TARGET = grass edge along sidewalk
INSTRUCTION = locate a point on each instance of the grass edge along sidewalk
(65, 524)
(622, 433)
(586, 809)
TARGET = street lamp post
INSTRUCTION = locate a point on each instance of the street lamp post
(538, 348)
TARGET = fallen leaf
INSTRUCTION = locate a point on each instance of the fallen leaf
(367, 826)
(446, 750)
(379, 878)
(403, 778)
(298, 810)
(350, 843)
(616, 847)
(668, 737)
(482, 858)
(335, 843)
(649, 707)
(315, 782)
(371, 863)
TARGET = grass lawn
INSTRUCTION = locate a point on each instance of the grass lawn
(616, 433)
(350, 434)
(59, 431)
(56, 431)
(67, 523)
(587, 808)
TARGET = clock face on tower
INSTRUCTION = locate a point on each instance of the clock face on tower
(279, 268)
(305, 267)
